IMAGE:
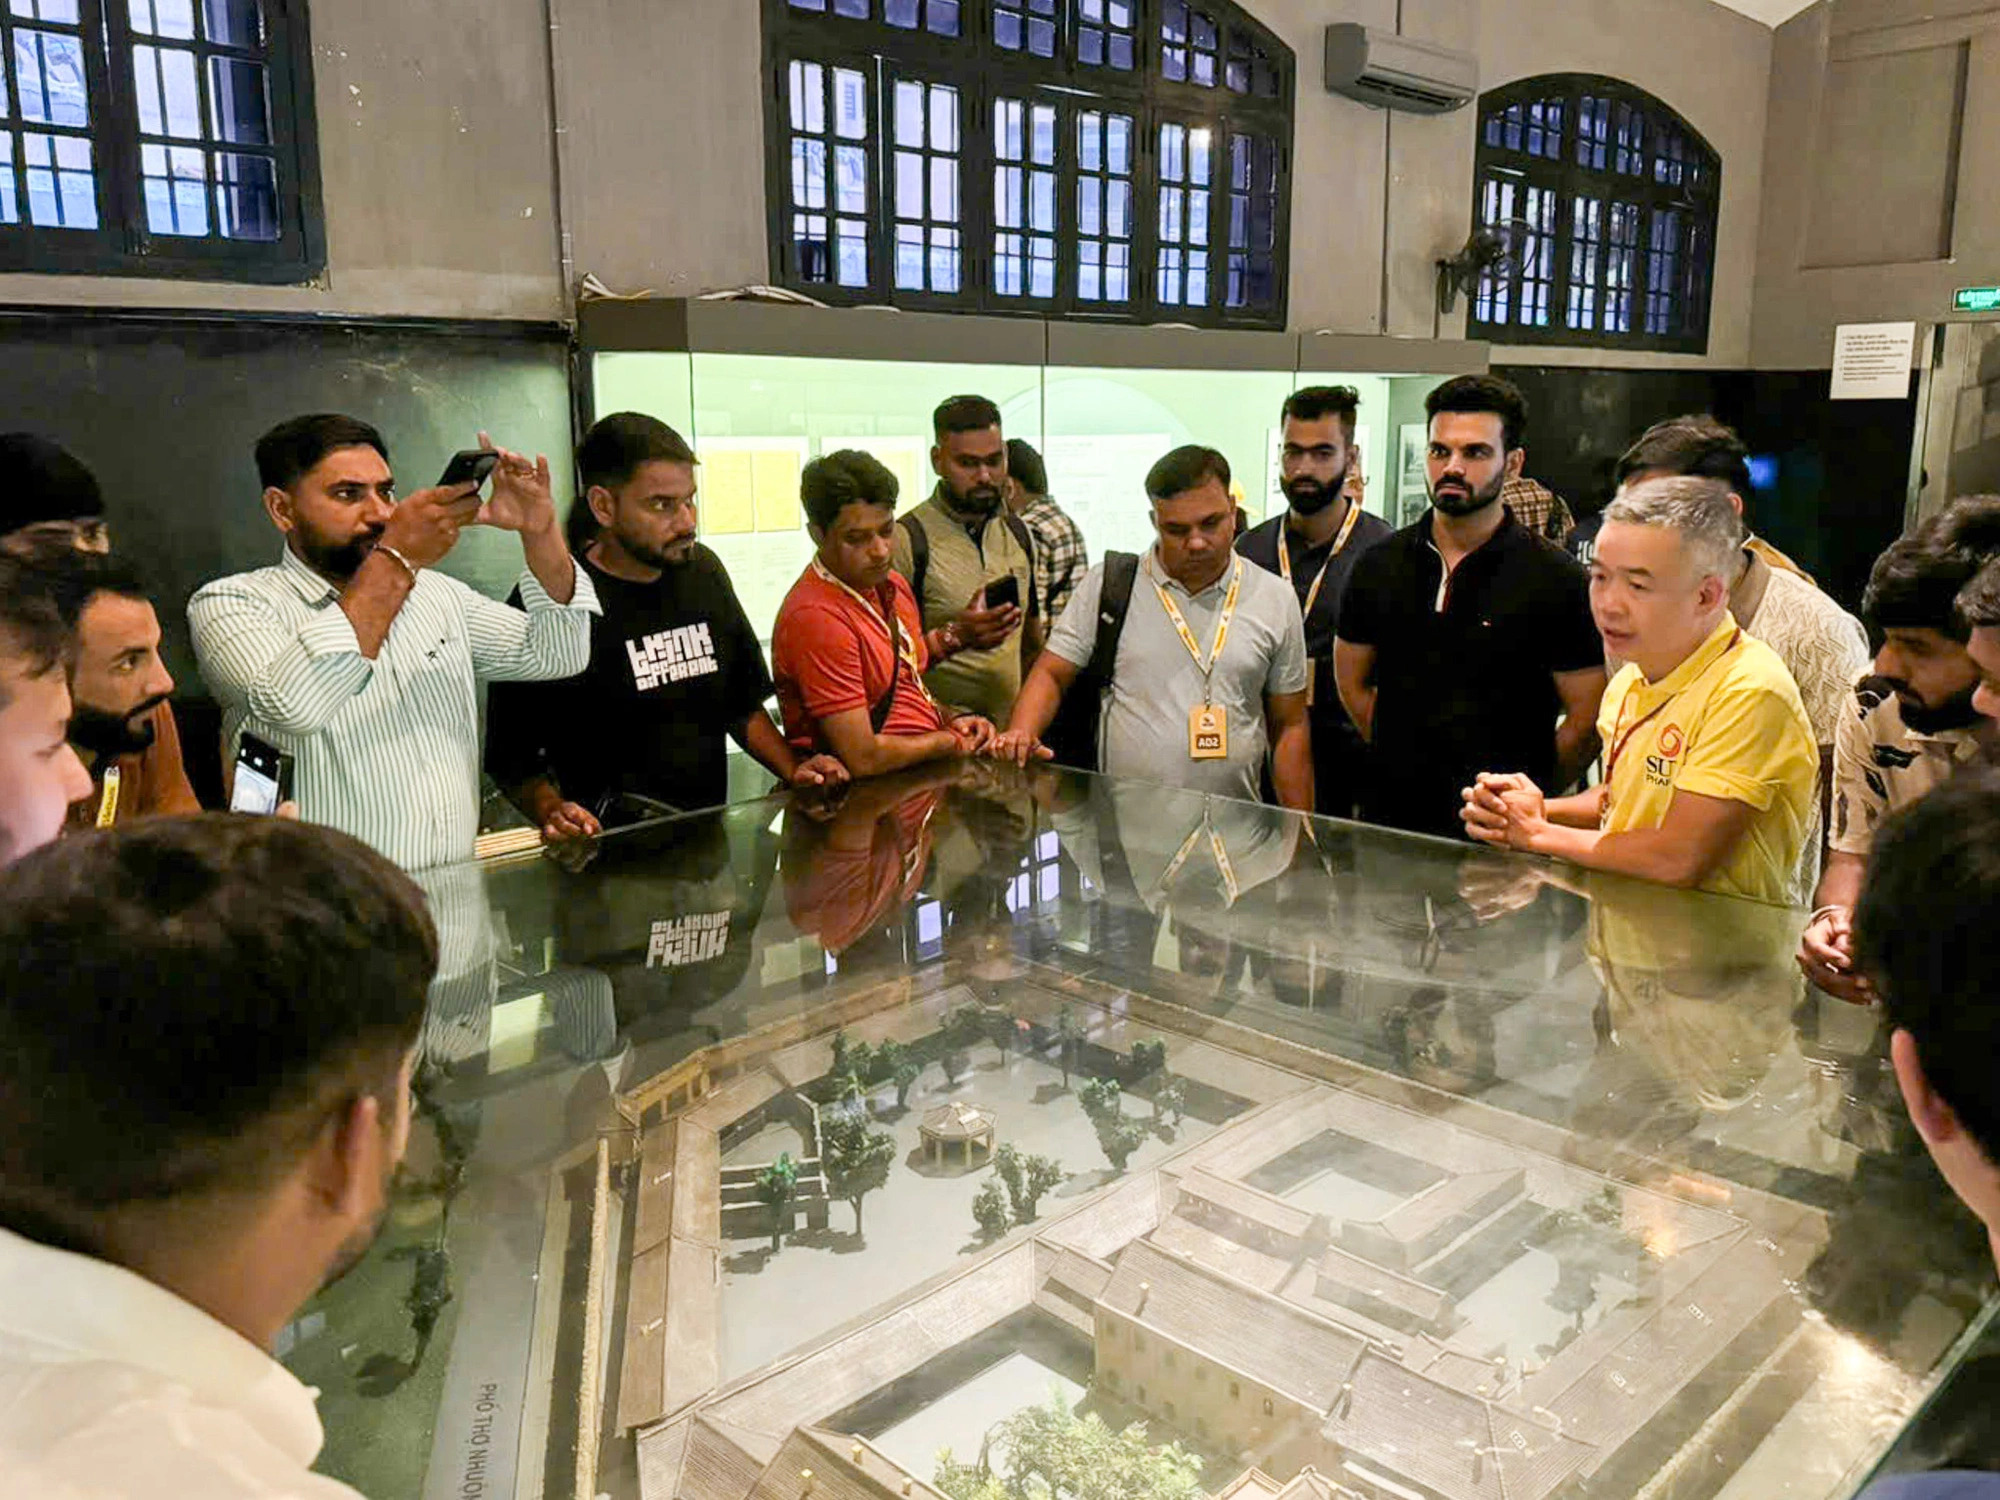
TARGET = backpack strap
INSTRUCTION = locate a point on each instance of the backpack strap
(1121, 572)
(920, 555)
(1025, 539)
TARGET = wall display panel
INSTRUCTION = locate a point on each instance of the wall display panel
(756, 420)
(1107, 427)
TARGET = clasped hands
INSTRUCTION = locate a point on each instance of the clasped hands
(1507, 811)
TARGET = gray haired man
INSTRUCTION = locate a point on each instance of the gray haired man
(1709, 759)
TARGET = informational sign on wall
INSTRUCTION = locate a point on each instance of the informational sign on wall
(1871, 361)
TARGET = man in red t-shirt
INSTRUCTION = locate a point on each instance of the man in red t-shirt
(849, 650)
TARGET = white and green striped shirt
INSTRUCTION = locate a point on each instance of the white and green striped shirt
(387, 750)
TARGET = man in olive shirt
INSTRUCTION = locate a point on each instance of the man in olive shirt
(958, 545)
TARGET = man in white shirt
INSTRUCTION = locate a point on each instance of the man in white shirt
(166, 1210)
(358, 659)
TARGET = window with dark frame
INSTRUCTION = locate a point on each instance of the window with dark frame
(158, 137)
(1124, 160)
(1613, 197)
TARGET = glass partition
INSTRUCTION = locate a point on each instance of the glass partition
(776, 1150)
(757, 419)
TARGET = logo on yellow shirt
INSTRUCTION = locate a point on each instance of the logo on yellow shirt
(1667, 750)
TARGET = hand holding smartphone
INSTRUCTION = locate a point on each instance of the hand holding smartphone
(469, 466)
(1004, 593)
(263, 777)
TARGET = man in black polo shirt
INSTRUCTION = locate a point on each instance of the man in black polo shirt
(1314, 545)
(674, 663)
(1465, 636)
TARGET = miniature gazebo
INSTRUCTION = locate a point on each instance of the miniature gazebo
(957, 1124)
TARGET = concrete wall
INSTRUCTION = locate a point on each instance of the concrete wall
(1884, 139)
(665, 183)
(440, 166)
(436, 165)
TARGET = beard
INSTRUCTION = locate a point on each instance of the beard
(108, 736)
(337, 560)
(1308, 497)
(666, 555)
(980, 500)
(1463, 502)
(1953, 713)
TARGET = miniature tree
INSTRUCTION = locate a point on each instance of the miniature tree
(1119, 1136)
(842, 1049)
(1007, 1164)
(1170, 1098)
(1099, 1098)
(1038, 1175)
(953, 1062)
(990, 1208)
(777, 1189)
(1069, 1041)
(430, 1293)
(887, 1060)
(965, 1028)
(907, 1073)
(1051, 1451)
(856, 1159)
(1148, 1057)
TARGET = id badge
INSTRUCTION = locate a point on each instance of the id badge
(1208, 734)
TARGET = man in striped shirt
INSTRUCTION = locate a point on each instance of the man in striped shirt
(359, 660)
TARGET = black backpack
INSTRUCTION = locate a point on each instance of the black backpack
(1072, 734)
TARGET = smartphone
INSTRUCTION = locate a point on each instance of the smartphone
(1002, 592)
(469, 466)
(263, 777)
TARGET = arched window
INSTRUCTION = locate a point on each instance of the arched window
(1119, 159)
(1614, 198)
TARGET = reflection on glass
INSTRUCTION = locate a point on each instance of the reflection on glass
(971, 1109)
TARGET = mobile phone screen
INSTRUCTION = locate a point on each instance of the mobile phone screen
(256, 791)
(259, 778)
(1003, 591)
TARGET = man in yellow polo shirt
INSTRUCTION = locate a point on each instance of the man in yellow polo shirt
(1709, 759)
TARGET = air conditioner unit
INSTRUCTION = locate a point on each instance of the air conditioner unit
(1396, 72)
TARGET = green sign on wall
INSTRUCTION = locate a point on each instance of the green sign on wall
(1977, 299)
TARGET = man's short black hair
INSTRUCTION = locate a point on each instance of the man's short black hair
(1026, 466)
(1478, 395)
(185, 1001)
(41, 480)
(1316, 402)
(1971, 525)
(1923, 934)
(1917, 582)
(35, 639)
(615, 447)
(74, 577)
(1185, 469)
(835, 481)
(294, 449)
(964, 414)
(1695, 447)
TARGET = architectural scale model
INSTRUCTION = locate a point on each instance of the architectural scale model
(1346, 1286)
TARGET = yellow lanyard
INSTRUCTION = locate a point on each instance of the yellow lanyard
(898, 643)
(1339, 541)
(107, 810)
(1187, 635)
(1215, 846)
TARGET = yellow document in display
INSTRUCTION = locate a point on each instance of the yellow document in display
(728, 495)
(775, 482)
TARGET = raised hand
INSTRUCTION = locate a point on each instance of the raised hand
(521, 499)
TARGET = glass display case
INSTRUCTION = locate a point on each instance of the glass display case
(985, 1134)
(762, 390)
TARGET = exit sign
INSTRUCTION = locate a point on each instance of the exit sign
(1977, 299)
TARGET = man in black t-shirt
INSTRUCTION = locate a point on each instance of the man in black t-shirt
(1315, 545)
(1466, 636)
(675, 667)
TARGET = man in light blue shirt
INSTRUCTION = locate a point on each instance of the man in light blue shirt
(1210, 675)
(357, 659)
